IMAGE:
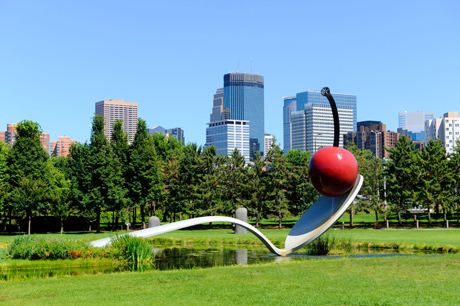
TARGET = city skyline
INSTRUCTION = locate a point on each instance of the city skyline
(170, 63)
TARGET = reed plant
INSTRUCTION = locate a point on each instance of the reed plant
(133, 249)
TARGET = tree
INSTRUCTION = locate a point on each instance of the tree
(99, 160)
(26, 170)
(257, 189)
(118, 165)
(279, 176)
(454, 168)
(370, 167)
(232, 181)
(300, 191)
(401, 175)
(434, 179)
(59, 192)
(4, 185)
(143, 170)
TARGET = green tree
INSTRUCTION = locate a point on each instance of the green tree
(59, 192)
(145, 183)
(257, 189)
(300, 191)
(117, 200)
(278, 180)
(205, 190)
(99, 161)
(401, 175)
(26, 168)
(79, 169)
(434, 180)
(4, 185)
(454, 168)
(232, 180)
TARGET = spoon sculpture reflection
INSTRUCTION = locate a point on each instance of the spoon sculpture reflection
(313, 223)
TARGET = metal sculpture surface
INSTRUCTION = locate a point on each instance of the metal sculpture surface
(337, 178)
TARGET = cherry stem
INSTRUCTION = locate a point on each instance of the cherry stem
(335, 114)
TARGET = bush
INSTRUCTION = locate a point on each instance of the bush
(321, 245)
(133, 249)
(44, 247)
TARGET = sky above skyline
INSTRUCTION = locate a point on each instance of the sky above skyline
(57, 58)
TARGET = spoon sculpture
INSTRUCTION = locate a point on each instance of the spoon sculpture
(334, 174)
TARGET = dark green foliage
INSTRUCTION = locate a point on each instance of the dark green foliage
(434, 190)
(401, 175)
(143, 175)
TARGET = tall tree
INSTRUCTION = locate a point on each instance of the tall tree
(118, 188)
(434, 180)
(143, 170)
(278, 179)
(99, 160)
(257, 189)
(300, 193)
(232, 182)
(26, 169)
(205, 190)
(401, 176)
(454, 168)
(4, 185)
(59, 192)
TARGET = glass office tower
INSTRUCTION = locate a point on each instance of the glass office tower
(289, 107)
(244, 96)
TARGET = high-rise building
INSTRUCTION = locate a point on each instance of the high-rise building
(312, 125)
(228, 135)
(9, 136)
(414, 123)
(61, 147)
(447, 129)
(112, 110)
(244, 97)
(343, 100)
(177, 132)
(290, 104)
(269, 139)
(218, 111)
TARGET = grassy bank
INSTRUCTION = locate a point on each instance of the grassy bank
(411, 280)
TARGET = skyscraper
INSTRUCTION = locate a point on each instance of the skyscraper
(312, 125)
(177, 132)
(414, 123)
(290, 104)
(244, 97)
(112, 110)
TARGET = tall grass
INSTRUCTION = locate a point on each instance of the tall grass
(133, 249)
(44, 247)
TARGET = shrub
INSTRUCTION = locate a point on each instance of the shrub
(44, 247)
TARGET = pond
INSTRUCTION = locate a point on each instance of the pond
(189, 258)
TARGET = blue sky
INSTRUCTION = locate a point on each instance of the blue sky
(57, 58)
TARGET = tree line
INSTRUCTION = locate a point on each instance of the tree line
(158, 175)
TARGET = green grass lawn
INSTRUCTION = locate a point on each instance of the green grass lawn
(410, 280)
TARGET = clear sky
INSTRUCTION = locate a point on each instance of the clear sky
(57, 58)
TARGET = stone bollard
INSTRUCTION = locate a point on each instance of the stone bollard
(417, 224)
(241, 214)
(343, 225)
(154, 221)
(447, 223)
(388, 224)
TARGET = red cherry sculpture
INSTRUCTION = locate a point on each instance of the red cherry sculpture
(333, 171)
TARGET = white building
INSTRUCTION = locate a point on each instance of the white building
(447, 129)
(268, 142)
(414, 123)
(314, 127)
(226, 135)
